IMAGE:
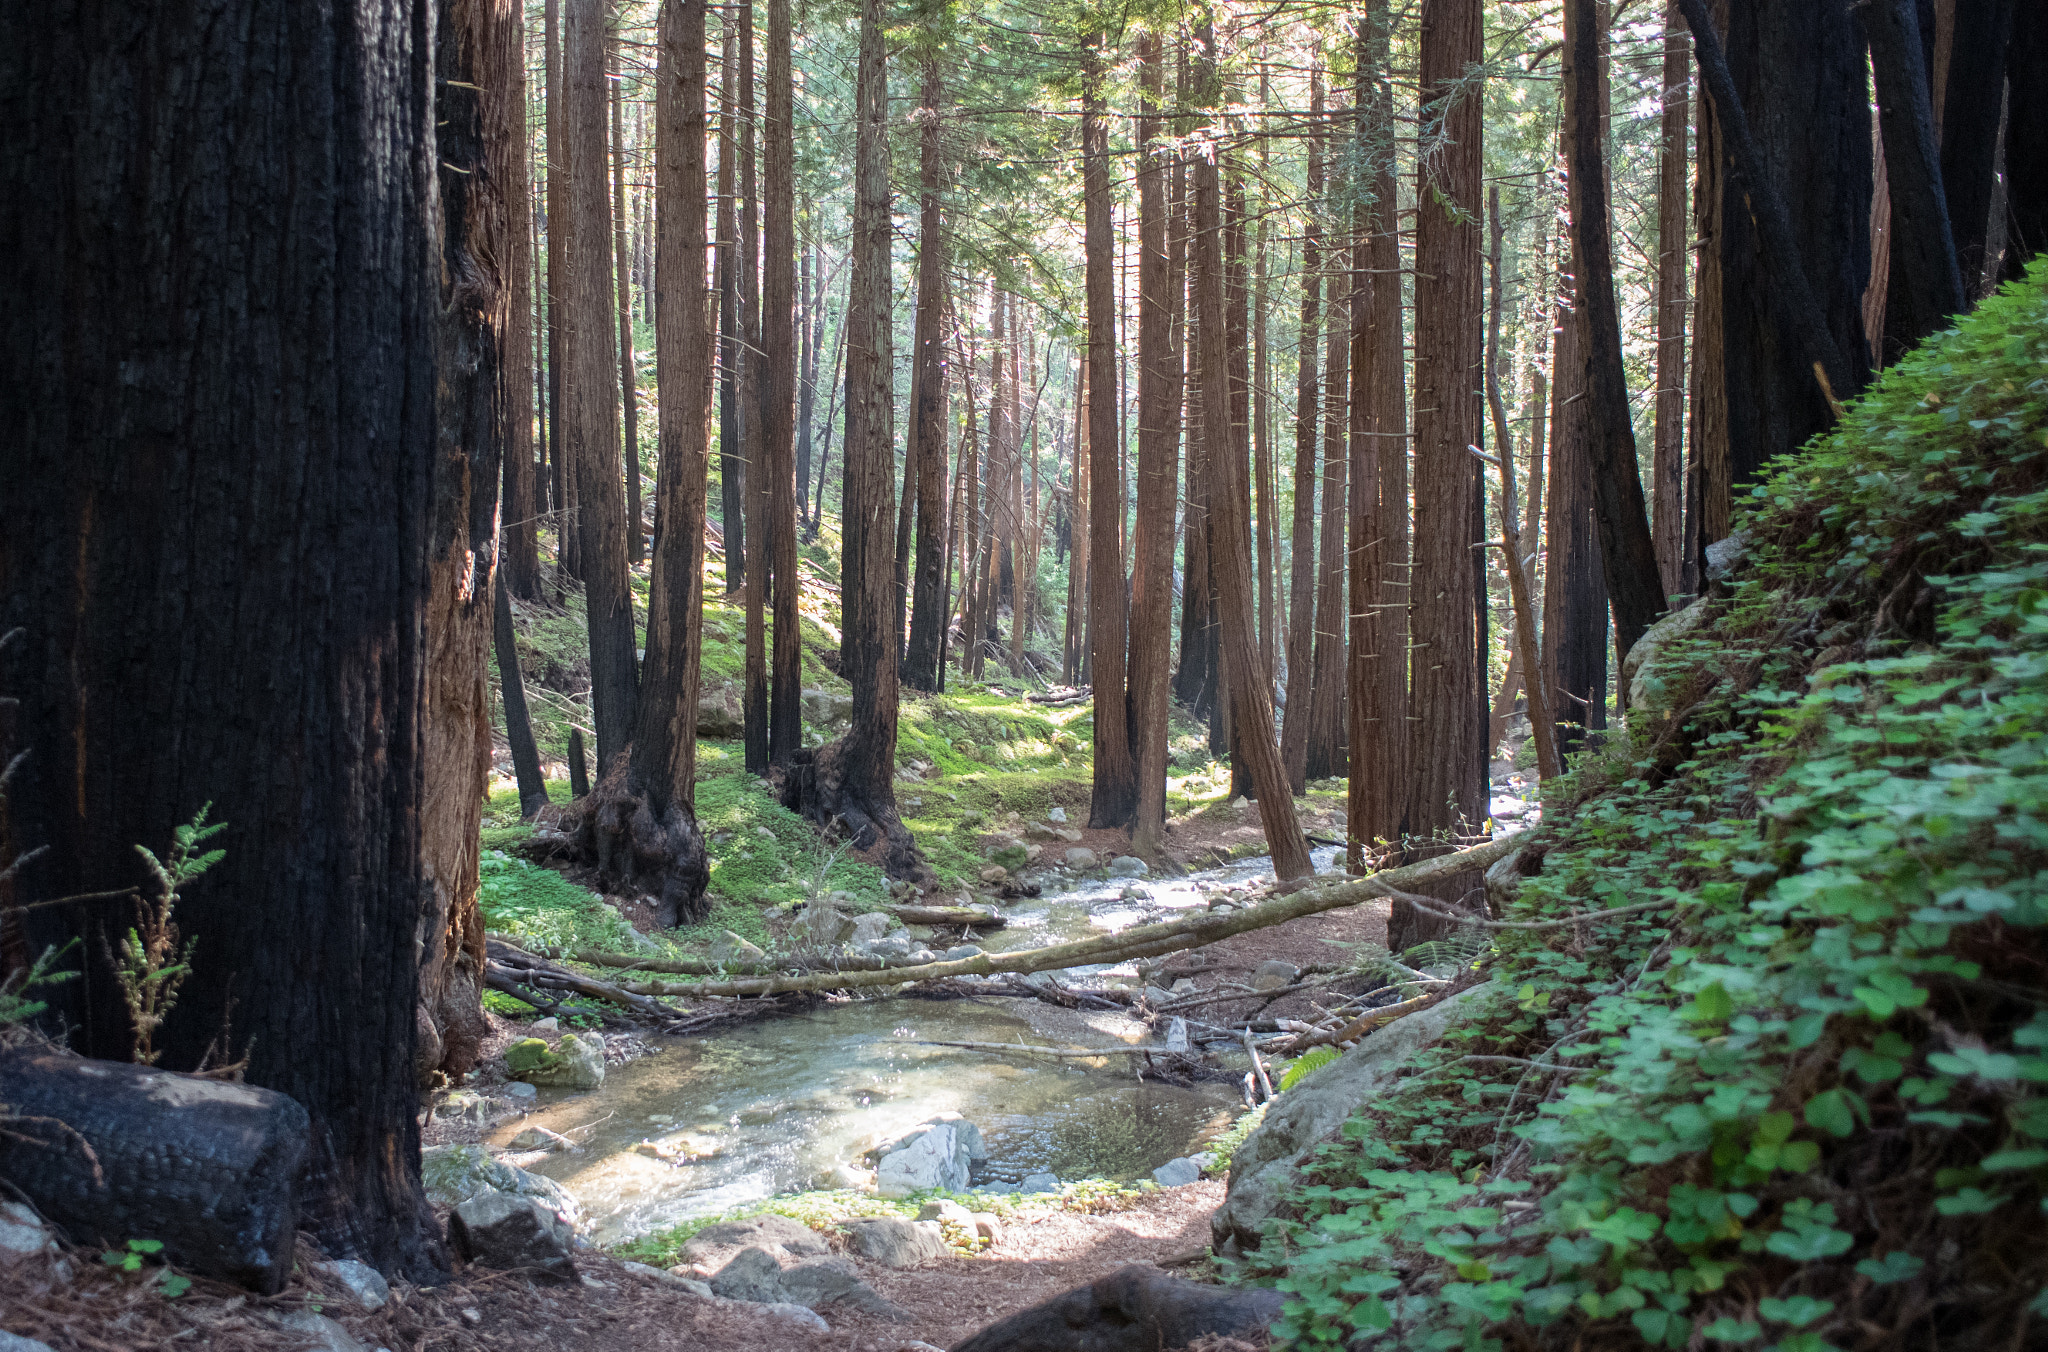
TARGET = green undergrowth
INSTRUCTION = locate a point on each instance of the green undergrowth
(823, 1210)
(1801, 1106)
(525, 900)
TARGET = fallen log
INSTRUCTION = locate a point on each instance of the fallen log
(1363, 1024)
(964, 917)
(530, 970)
(1144, 941)
(116, 1152)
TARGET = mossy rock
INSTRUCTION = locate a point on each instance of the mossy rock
(528, 1055)
(1011, 857)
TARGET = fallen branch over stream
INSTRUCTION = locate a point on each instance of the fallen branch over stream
(1145, 941)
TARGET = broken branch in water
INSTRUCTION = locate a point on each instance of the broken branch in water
(1082, 1053)
(1145, 941)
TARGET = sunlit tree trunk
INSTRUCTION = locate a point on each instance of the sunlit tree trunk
(519, 557)
(778, 386)
(732, 516)
(1301, 588)
(1326, 702)
(927, 454)
(629, 383)
(1674, 256)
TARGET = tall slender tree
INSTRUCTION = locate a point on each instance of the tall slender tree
(1326, 730)
(1159, 395)
(590, 353)
(1447, 768)
(1674, 255)
(1924, 284)
(1379, 465)
(853, 779)
(1301, 588)
(778, 384)
(926, 458)
(1250, 685)
(519, 556)
(1973, 104)
(1115, 788)
(732, 515)
(629, 379)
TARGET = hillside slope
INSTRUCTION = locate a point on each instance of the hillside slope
(1799, 1104)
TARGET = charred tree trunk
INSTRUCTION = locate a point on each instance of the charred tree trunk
(853, 779)
(1973, 99)
(1575, 586)
(1114, 795)
(2026, 140)
(1159, 395)
(1447, 774)
(1301, 590)
(1379, 468)
(1628, 556)
(533, 788)
(262, 481)
(927, 456)
(1924, 285)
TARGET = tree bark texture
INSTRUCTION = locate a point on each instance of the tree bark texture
(778, 387)
(1250, 685)
(645, 830)
(1674, 256)
(1378, 507)
(568, 532)
(732, 514)
(260, 482)
(1301, 588)
(1924, 285)
(1708, 459)
(2026, 140)
(590, 355)
(754, 382)
(1791, 112)
(1447, 771)
(1972, 98)
(1326, 731)
(926, 458)
(533, 789)
(629, 379)
(505, 130)
(1159, 396)
(1114, 793)
(1575, 611)
(1627, 553)
(853, 779)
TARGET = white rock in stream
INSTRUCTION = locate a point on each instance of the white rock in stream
(938, 1154)
(1128, 866)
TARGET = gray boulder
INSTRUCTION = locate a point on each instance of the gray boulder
(1128, 866)
(1080, 859)
(455, 1173)
(938, 1154)
(756, 1274)
(1272, 974)
(23, 1234)
(1177, 1173)
(576, 1063)
(897, 1243)
(826, 708)
(14, 1342)
(823, 926)
(729, 949)
(1723, 555)
(714, 1246)
(364, 1282)
(720, 715)
(324, 1333)
(1648, 695)
(1040, 1183)
(1267, 1165)
(498, 1229)
(796, 1314)
(869, 928)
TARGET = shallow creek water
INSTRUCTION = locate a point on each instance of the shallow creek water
(782, 1104)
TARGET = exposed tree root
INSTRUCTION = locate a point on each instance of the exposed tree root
(816, 785)
(641, 847)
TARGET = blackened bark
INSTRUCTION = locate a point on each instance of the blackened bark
(1574, 585)
(1375, 802)
(1924, 286)
(1791, 115)
(1971, 102)
(778, 386)
(926, 459)
(223, 569)
(1447, 772)
(533, 789)
(1159, 395)
(1114, 793)
(2026, 140)
(1627, 554)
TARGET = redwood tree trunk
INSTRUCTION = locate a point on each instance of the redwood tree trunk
(1674, 253)
(732, 512)
(519, 556)
(225, 571)
(778, 387)
(853, 780)
(1159, 395)
(1301, 589)
(1379, 470)
(590, 356)
(629, 381)
(1326, 730)
(1115, 788)
(1924, 286)
(926, 458)
(1447, 774)
(1250, 685)
(1971, 104)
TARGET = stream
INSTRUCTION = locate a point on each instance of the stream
(793, 1102)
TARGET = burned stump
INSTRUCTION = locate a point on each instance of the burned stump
(1134, 1309)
